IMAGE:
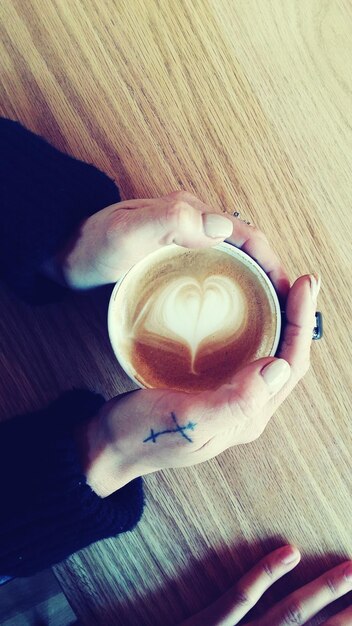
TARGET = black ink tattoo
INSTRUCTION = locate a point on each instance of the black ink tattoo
(179, 429)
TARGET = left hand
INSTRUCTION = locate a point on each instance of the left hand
(297, 608)
(110, 242)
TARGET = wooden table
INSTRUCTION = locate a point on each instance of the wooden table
(248, 105)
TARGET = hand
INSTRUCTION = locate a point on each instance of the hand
(147, 430)
(297, 608)
(109, 243)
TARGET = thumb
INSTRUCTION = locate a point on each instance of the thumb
(191, 228)
(182, 224)
(253, 386)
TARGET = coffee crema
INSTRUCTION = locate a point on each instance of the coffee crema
(189, 319)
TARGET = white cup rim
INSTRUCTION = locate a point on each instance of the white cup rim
(226, 247)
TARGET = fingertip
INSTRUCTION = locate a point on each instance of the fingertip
(217, 226)
(315, 284)
(276, 374)
(301, 302)
(302, 282)
(347, 572)
(289, 554)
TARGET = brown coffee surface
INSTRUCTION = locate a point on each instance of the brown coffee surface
(191, 321)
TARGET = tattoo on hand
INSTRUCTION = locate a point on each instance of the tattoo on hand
(178, 429)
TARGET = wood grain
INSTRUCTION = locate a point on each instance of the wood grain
(247, 104)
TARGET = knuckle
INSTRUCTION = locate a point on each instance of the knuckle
(299, 370)
(248, 404)
(268, 569)
(293, 334)
(120, 225)
(179, 195)
(252, 431)
(181, 217)
(331, 585)
(241, 596)
(293, 614)
(259, 233)
(116, 221)
(177, 210)
(250, 413)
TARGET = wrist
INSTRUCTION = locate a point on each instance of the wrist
(61, 268)
(107, 466)
(52, 269)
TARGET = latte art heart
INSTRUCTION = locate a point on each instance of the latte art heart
(189, 311)
(189, 319)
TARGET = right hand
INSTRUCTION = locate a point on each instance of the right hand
(297, 608)
(152, 429)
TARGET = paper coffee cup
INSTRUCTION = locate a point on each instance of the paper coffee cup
(188, 303)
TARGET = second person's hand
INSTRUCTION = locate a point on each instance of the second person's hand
(297, 608)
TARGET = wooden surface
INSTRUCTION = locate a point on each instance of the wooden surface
(247, 104)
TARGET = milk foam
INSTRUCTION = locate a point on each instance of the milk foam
(191, 311)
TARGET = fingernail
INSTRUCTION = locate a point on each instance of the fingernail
(348, 573)
(276, 374)
(217, 226)
(289, 555)
(315, 282)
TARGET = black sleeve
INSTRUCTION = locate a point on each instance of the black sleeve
(44, 195)
(47, 509)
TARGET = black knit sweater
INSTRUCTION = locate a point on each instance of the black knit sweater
(47, 509)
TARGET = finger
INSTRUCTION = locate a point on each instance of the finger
(248, 395)
(297, 336)
(306, 602)
(253, 242)
(300, 320)
(230, 608)
(344, 618)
